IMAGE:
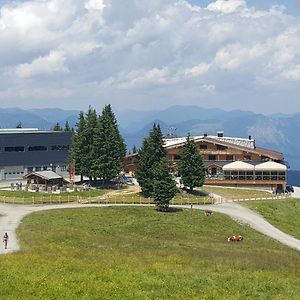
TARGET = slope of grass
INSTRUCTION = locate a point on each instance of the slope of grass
(236, 193)
(138, 253)
(284, 214)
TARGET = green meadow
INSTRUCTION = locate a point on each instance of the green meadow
(236, 193)
(283, 214)
(139, 253)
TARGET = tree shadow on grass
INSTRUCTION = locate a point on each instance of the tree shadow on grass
(170, 210)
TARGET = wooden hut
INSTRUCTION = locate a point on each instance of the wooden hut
(43, 180)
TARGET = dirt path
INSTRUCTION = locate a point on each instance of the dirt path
(11, 216)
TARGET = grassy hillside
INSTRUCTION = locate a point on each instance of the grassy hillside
(236, 193)
(284, 214)
(138, 253)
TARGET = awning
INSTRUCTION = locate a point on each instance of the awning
(238, 166)
(271, 166)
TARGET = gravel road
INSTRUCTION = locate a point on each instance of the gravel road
(11, 216)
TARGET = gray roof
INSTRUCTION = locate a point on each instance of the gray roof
(45, 175)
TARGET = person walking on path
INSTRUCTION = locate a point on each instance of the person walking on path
(5, 240)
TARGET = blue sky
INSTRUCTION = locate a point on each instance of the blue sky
(292, 6)
(142, 54)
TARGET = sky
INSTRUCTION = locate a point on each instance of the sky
(144, 55)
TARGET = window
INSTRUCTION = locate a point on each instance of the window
(247, 157)
(37, 148)
(229, 157)
(14, 149)
(220, 147)
(203, 147)
(211, 157)
(60, 147)
(176, 157)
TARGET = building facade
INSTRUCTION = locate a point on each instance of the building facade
(230, 161)
(26, 150)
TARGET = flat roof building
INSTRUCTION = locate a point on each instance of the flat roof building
(26, 150)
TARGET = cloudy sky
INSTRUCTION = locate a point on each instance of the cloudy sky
(143, 54)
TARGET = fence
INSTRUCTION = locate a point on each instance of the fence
(239, 199)
(101, 200)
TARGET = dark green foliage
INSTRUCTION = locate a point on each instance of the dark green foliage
(192, 168)
(91, 130)
(134, 149)
(57, 127)
(109, 146)
(78, 147)
(150, 155)
(67, 127)
(98, 148)
(164, 188)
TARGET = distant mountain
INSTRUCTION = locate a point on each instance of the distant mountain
(277, 132)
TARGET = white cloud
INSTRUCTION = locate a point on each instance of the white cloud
(222, 54)
(293, 73)
(197, 70)
(52, 63)
(226, 6)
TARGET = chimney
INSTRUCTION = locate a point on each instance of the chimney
(220, 134)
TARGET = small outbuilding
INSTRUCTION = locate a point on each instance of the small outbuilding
(43, 180)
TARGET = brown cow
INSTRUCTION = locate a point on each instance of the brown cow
(235, 238)
(208, 212)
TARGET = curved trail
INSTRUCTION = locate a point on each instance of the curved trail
(11, 216)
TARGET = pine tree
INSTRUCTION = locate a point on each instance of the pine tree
(109, 146)
(57, 127)
(164, 187)
(150, 154)
(91, 129)
(192, 168)
(134, 149)
(78, 146)
(67, 127)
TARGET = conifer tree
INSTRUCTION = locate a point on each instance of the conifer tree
(78, 147)
(67, 127)
(134, 149)
(109, 146)
(57, 127)
(91, 129)
(150, 154)
(164, 187)
(192, 168)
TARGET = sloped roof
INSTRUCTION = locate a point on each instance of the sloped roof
(48, 175)
(270, 166)
(238, 165)
(179, 142)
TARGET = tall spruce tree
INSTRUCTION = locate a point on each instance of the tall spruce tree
(192, 168)
(109, 146)
(164, 187)
(150, 155)
(91, 129)
(57, 127)
(67, 127)
(78, 146)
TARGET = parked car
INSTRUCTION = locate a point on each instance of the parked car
(289, 189)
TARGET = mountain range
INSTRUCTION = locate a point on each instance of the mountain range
(277, 132)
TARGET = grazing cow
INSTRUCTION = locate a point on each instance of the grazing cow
(208, 212)
(235, 238)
